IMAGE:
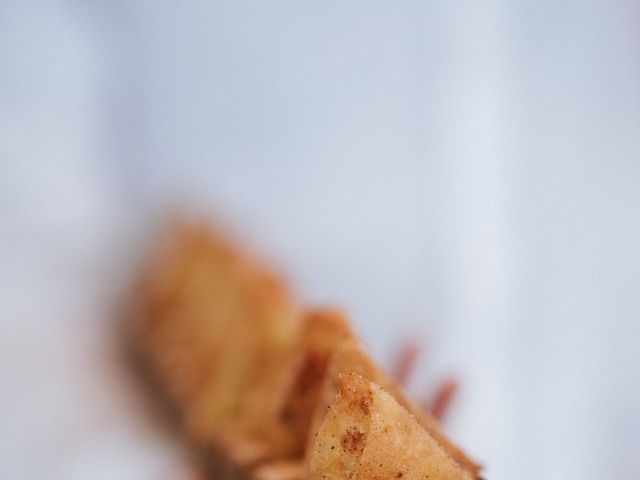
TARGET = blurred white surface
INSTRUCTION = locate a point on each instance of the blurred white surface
(466, 170)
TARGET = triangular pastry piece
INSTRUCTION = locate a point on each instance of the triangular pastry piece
(349, 357)
(367, 435)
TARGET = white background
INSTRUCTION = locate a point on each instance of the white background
(468, 172)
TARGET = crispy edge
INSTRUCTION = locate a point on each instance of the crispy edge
(349, 357)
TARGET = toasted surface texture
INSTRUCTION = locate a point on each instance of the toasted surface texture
(323, 330)
(280, 470)
(367, 435)
(254, 378)
(349, 357)
(218, 330)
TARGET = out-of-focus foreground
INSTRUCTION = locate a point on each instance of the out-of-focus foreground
(463, 171)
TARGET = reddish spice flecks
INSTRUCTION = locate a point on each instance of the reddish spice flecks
(352, 441)
(365, 403)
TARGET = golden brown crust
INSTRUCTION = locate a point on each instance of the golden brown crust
(349, 357)
(280, 470)
(342, 436)
(381, 441)
(322, 331)
(218, 330)
(250, 375)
